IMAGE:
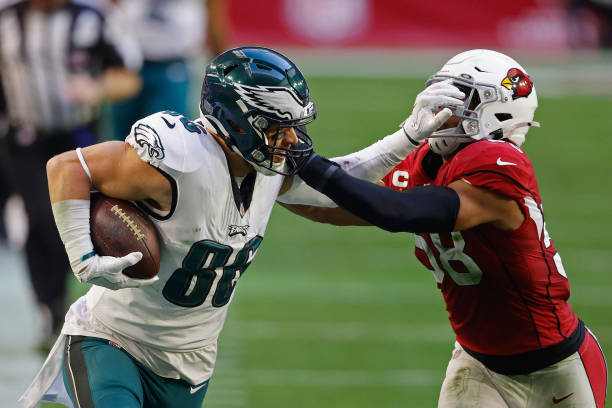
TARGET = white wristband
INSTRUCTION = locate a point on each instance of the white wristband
(72, 220)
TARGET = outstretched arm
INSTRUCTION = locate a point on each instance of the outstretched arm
(422, 209)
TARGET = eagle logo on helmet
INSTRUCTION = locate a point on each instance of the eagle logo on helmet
(518, 82)
(281, 101)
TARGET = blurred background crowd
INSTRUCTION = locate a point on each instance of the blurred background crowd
(74, 72)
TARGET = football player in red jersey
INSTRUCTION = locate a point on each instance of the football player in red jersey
(471, 197)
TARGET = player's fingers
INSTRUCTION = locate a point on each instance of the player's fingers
(450, 100)
(440, 84)
(127, 261)
(424, 97)
(434, 101)
(449, 90)
(447, 100)
(441, 117)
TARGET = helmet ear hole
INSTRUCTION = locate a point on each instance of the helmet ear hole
(503, 116)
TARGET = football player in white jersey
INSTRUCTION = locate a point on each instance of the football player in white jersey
(209, 187)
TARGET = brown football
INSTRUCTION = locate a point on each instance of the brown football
(118, 227)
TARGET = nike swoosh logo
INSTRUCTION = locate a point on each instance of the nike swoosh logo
(251, 256)
(193, 390)
(500, 162)
(556, 401)
(170, 125)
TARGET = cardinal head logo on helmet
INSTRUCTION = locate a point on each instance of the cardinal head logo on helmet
(518, 82)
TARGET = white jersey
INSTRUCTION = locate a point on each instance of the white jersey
(208, 239)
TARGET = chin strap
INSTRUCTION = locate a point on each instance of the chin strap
(516, 138)
(520, 125)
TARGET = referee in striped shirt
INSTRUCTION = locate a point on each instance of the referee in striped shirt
(59, 60)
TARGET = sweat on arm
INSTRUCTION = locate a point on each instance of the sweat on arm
(420, 209)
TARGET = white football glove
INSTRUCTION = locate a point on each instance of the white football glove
(426, 117)
(107, 271)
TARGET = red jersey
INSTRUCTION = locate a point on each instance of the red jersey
(505, 291)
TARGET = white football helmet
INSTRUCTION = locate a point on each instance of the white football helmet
(500, 100)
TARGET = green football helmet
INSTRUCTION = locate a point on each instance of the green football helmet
(249, 92)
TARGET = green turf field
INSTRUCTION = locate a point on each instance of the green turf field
(346, 317)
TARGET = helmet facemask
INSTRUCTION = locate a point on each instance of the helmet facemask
(477, 96)
(270, 158)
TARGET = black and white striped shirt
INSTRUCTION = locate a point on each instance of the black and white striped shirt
(41, 51)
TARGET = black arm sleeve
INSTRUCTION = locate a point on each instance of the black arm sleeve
(420, 209)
